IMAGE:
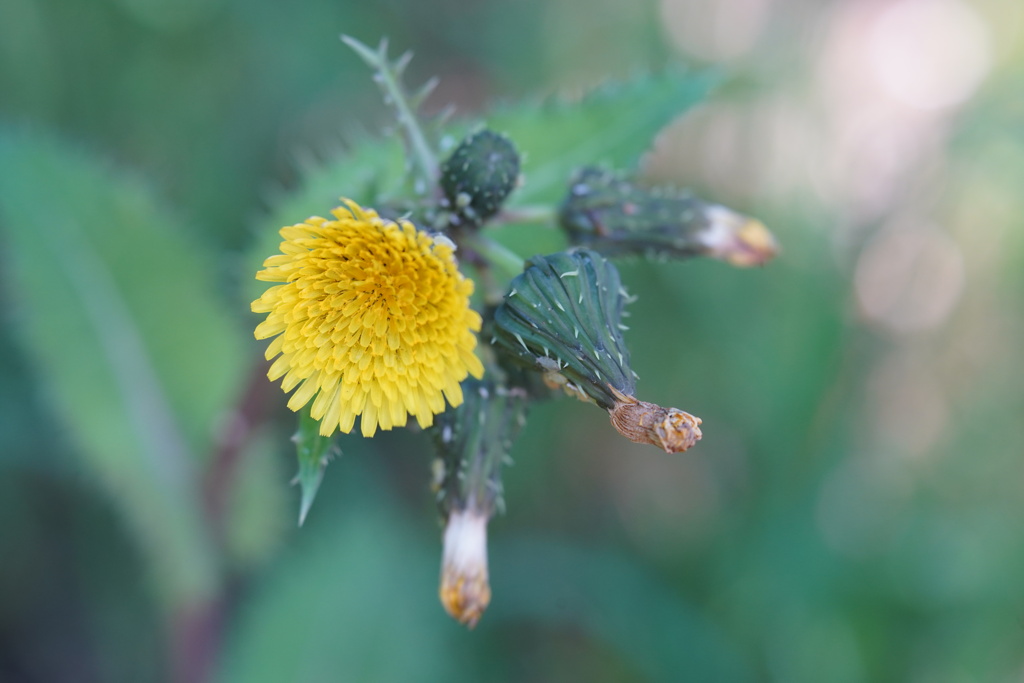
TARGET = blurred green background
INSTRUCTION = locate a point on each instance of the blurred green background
(852, 514)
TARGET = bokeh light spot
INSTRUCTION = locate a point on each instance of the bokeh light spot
(930, 53)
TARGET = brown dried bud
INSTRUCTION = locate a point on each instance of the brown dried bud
(465, 590)
(670, 429)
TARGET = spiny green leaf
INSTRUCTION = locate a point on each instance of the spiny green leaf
(314, 452)
(613, 125)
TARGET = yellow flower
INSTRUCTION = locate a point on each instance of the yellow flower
(372, 318)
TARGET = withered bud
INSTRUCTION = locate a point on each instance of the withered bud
(670, 429)
(465, 590)
(738, 240)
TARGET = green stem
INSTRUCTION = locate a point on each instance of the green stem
(386, 78)
(498, 255)
(528, 214)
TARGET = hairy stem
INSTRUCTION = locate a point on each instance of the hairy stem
(387, 76)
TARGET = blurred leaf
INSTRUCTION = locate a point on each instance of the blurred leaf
(613, 125)
(615, 601)
(314, 452)
(53, 197)
(354, 600)
(20, 407)
(120, 315)
(257, 502)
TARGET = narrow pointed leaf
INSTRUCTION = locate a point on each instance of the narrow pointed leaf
(314, 451)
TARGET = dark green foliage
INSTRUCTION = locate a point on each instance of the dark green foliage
(563, 317)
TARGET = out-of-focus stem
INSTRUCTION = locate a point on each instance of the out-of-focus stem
(546, 215)
(498, 255)
(196, 637)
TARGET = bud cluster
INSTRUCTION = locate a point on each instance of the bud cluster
(554, 322)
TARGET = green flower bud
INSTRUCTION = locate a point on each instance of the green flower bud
(479, 175)
(610, 214)
(562, 317)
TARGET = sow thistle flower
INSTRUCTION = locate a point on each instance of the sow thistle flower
(372, 319)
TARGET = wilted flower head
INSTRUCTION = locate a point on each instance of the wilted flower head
(371, 318)
(465, 590)
(670, 429)
(738, 240)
